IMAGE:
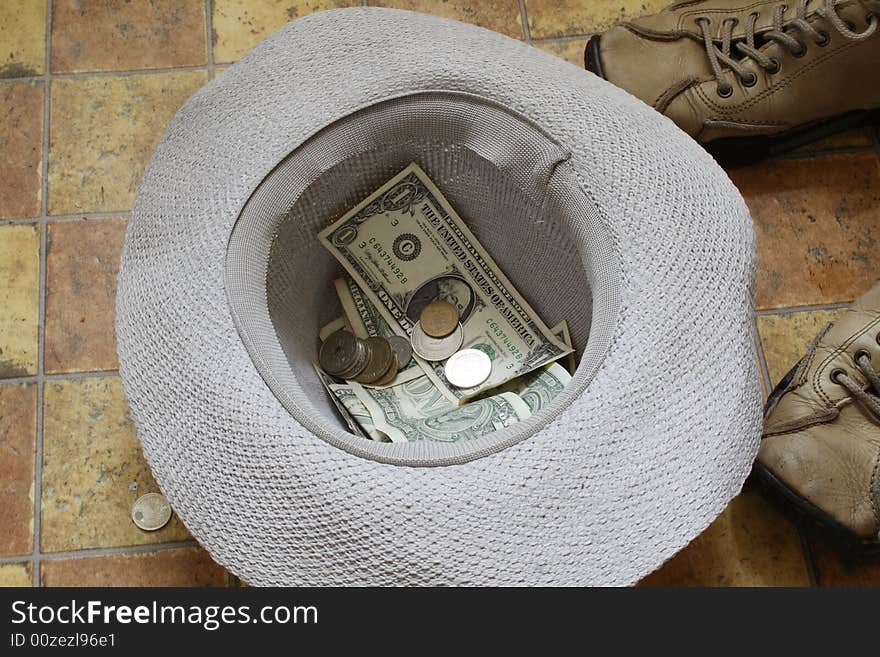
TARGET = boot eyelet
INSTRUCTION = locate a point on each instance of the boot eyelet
(824, 39)
(850, 25)
(836, 373)
(774, 67)
(877, 338)
(724, 92)
(861, 353)
(750, 81)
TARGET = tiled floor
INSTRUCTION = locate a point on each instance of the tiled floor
(86, 88)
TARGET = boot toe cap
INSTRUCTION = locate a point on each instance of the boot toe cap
(831, 474)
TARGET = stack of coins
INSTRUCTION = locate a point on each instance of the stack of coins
(371, 361)
(438, 333)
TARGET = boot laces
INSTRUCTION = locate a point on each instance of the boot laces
(721, 58)
(870, 400)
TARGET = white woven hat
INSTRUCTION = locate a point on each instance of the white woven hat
(598, 209)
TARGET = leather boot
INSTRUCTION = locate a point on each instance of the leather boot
(750, 78)
(821, 444)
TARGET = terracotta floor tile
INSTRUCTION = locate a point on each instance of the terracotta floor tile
(16, 574)
(23, 35)
(18, 435)
(750, 544)
(179, 567)
(107, 35)
(836, 569)
(19, 299)
(21, 142)
(239, 25)
(499, 15)
(785, 338)
(82, 262)
(103, 132)
(93, 469)
(818, 223)
(570, 51)
(554, 18)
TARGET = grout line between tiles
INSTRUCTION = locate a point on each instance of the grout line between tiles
(762, 360)
(41, 327)
(807, 550)
(127, 550)
(60, 376)
(562, 39)
(106, 74)
(209, 37)
(790, 310)
(122, 214)
(527, 33)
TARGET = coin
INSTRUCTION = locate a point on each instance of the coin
(362, 357)
(389, 376)
(467, 368)
(339, 353)
(381, 356)
(151, 512)
(439, 318)
(402, 349)
(435, 349)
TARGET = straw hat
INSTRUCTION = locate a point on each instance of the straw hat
(600, 211)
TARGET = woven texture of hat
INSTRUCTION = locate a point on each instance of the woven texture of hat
(647, 456)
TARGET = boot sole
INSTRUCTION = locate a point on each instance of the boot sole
(738, 151)
(778, 492)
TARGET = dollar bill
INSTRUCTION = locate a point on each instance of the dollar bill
(350, 408)
(561, 332)
(417, 411)
(329, 329)
(357, 410)
(537, 388)
(365, 321)
(405, 246)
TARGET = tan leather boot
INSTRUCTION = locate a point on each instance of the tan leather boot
(750, 78)
(821, 445)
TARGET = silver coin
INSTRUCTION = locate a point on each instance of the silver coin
(151, 512)
(467, 368)
(402, 349)
(434, 349)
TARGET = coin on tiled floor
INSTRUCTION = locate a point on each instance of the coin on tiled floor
(151, 512)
